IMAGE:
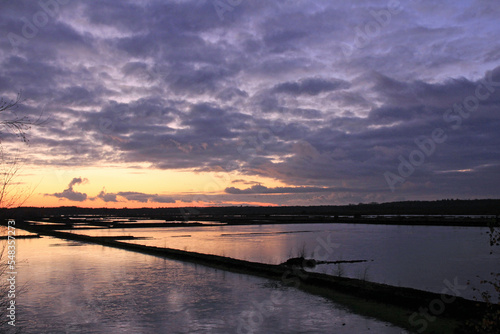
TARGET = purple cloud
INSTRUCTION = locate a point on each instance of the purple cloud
(70, 194)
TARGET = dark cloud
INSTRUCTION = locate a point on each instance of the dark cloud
(268, 90)
(107, 197)
(231, 93)
(310, 86)
(70, 194)
(241, 181)
(260, 189)
(134, 196)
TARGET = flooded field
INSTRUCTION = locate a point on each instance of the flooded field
(71, 287)
(422, 257)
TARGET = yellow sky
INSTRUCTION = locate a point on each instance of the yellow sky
(187, 187)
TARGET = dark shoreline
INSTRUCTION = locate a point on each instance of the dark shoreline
(385, 302)
(447, 212)
(65, 223)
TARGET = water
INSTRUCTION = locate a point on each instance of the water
(421, 257)
(71, 287)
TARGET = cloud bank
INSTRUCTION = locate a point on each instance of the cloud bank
(317, 95)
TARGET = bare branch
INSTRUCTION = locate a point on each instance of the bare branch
(10, 193)
(17, 124)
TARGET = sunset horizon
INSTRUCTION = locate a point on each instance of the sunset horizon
(249, 166)
(211, 105)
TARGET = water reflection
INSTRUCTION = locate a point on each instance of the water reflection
(95, 289)
(420, 257)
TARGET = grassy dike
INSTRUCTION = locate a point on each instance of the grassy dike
(397, 305)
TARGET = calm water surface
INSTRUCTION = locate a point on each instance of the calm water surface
(421, 257)
(72, 287)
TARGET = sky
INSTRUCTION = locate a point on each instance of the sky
(238, 102)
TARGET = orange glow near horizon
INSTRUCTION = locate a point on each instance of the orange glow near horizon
(187, 188)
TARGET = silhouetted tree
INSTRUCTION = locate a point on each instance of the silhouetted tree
(10, 195)
(19, 125)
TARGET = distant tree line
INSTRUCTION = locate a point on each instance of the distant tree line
(439, 207)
